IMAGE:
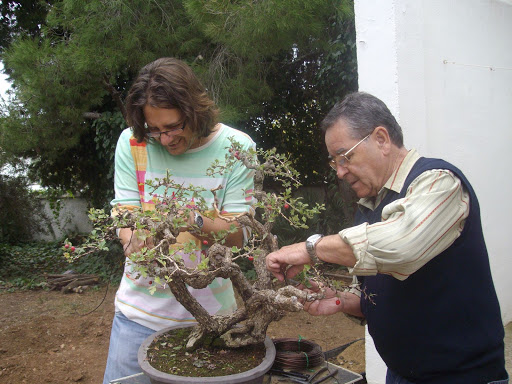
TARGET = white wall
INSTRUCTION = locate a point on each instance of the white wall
(72, 219)
(444, 68)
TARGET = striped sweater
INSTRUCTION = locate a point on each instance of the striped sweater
(135, 163)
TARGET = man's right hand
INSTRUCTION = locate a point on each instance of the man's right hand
(294, 256)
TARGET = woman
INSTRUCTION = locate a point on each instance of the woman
(173, 128)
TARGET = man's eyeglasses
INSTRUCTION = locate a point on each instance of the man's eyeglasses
(340, 159)
(158, 134)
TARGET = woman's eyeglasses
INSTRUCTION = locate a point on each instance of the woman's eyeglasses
(171, 132)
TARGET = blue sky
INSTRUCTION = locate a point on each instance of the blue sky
(4, 85)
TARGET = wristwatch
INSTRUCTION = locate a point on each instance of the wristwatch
(311, 243)
(198, 220)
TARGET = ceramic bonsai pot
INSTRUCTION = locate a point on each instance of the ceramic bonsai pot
(252, 376)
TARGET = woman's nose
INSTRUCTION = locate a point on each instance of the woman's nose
(166, 139)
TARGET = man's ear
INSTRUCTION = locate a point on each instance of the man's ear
(381, 136)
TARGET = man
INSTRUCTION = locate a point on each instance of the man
(417, 249)
(173, 128)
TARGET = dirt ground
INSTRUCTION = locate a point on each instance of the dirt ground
(46, 338)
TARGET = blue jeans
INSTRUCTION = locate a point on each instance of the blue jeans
(125, 339)
(393, 378)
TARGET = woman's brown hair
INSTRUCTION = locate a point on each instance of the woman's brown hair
(170, 83)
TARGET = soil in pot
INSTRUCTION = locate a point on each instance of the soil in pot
(167, 353)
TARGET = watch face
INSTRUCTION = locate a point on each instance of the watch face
(199, 220)
(313, 239)
(311, 242)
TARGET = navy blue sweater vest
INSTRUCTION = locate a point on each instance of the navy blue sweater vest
(443, 323)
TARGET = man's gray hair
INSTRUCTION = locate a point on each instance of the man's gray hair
(363, 112)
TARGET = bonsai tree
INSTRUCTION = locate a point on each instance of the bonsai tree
(262, 303)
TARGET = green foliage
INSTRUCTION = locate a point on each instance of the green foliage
(341, 202)
(87, 169)
(336, 216)
(274, 67)
(24, 265)
(307, 82)
(251, 40)
(107, 264)
(86, 53)
(18, 207)
(108, 128)
(172, 210)
(85, 57)
(21, 18)
(156, 251)
(244, 25)
(247, 268)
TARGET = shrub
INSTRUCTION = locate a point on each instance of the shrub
(17, 204)
(24, 265)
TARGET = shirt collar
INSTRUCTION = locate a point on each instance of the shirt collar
(395, 182)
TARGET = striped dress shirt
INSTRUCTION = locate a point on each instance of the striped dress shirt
(412, 230)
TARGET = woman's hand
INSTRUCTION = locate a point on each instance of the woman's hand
(133, 241)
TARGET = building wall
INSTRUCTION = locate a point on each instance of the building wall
(444, 68)
(71, 219)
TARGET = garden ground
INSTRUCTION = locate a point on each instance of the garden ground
(48, 337)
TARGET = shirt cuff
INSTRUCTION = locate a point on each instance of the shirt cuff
(357, 238)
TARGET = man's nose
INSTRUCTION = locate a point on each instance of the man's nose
(341, 171)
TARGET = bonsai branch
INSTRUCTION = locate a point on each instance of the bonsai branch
(180, 266)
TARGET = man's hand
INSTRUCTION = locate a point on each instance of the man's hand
(334, 302)
(329, 305)
(295, 256)
(325, 306)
